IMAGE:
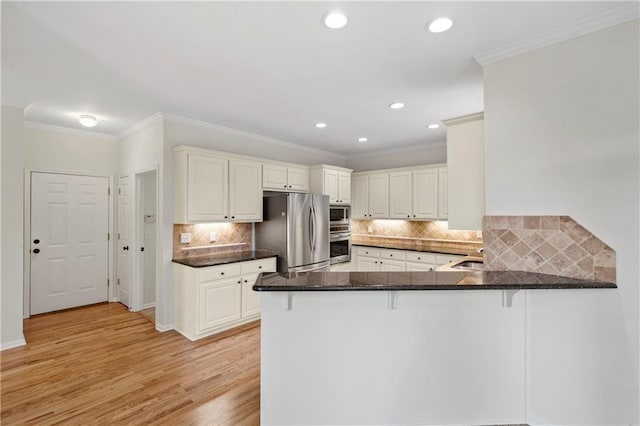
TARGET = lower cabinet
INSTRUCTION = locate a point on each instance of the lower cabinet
(212, 299)
(373, 259)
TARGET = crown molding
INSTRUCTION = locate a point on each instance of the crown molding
(215, 127)
(464, 119)
(618, 15)
(147, 122)
(400, 150)
(14, 103)
(68, 130)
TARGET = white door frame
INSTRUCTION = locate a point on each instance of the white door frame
(26, 246)
(137, 282)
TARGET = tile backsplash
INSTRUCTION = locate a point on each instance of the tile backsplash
(556, 245)
(436, 230)
(230, 237)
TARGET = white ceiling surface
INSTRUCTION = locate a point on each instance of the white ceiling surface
(266, 68)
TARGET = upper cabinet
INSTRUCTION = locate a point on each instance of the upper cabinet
(279, 177)
(465, 159)
(407, 193)
(332, 181)
(211, 187)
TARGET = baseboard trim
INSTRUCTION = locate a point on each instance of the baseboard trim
(13, 344)
(149, 305)
(162, 328)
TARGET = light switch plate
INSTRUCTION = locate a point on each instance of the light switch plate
(185, 238)
(478, 234)
(212, 236)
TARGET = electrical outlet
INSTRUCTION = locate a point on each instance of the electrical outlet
(212, 236)
(478, 234)
(185, 238)
(370, 229)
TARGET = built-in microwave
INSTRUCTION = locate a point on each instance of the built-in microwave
(339, 214)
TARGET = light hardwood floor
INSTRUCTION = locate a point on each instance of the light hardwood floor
(105, 365)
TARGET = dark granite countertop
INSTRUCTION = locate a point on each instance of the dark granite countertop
(224, 258)
(433, 280)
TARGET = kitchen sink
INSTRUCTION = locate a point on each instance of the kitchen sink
(470, 264)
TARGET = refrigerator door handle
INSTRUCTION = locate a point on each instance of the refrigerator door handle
(311, 230)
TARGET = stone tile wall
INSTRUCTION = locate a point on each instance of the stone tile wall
(556, 245)
(231, 237)
(432, 230)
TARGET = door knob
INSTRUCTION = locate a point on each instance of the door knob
(125, 248)
(36, 251)
(36, 241)
(141, 248)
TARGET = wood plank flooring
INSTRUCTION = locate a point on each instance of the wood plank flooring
(105, 365)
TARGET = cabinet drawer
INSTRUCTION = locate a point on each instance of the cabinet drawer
(419, 267)
(368, 251)
(219, 272)
(257, 266)
(442, 259)
(414, 256)
(392, 254)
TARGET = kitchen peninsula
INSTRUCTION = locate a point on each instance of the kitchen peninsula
(398, 347)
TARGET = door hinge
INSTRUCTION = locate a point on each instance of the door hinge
(108, 236)
(108, 283)
(118, 281)
(119, 191)
(118, 235)
(108, 191)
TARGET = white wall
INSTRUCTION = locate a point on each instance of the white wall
(434, 153)
(150, 241)
(53, 148)
(561, 137)
(12, 222)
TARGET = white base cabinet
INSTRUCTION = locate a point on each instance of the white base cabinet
(374, 259)
(212, 299)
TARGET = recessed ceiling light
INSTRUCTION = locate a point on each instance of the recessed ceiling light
(396, 105)
(440, 25)
(321, 125)
(335, 20)
(362, 139)
(88, 120)
(434, 126)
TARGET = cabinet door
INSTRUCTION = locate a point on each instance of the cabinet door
(367, 264)
(387, 265)
(344, 187)
(419, 267)
(245, 191)
(400, 195)
(250, 298)
(425, 194)
(219, 303)
(274, 177)
(443, 193)
(360, 192)
(207, 188)
(331, 185)
(297, 179)
(379, 195)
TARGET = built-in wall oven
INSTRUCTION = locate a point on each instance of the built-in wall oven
(339, 234)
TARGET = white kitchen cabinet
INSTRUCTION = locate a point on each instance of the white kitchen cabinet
(360, 196)
(212, 299)
(387, 265)
(344, 266)
(211, 187)
(370, 196)
(207, 188)
(465, 160)
(443, 193)
(245, 191)
(285, 178)
(425, 194)
(332, 181)
(374, 259)
(379, 195)
(420, 261)
(400, 195)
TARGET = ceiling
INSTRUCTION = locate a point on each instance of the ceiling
(269, 68)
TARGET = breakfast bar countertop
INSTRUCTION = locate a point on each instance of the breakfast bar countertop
(433, 280)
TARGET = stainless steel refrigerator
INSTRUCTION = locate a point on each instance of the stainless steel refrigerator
(296, 226)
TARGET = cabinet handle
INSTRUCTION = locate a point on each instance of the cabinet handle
(289, 186)
(226, 217)
(239, 282)
(414, 215)
(260, 267)
(419, 258)
(381, 262)
(233, 217)
(245, 281)
(375, 261)
(36, 241)
(390, 255)
(36, 251)
(408, 216)
(221, 273)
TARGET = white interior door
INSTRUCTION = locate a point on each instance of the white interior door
(125, 242)
(69, 243)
